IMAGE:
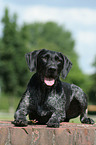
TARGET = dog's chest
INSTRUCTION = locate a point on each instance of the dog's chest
(55, 101)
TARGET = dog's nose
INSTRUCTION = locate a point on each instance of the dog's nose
(52, 69)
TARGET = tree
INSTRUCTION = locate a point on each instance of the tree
(7, 54)
(16, 41)
(92, 90)
(13, 71)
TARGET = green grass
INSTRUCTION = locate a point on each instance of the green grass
(8, 102)
(75, 120)
(6, 116)
(10, 116)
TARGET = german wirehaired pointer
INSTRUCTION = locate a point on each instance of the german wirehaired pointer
(47, 99)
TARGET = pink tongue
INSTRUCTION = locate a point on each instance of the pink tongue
(49, 82)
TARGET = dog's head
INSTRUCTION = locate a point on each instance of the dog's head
(49, 65)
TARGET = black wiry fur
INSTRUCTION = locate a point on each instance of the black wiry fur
(50, 104)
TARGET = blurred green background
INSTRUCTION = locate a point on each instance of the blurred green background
(16, 41)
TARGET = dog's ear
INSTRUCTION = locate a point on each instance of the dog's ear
(31, 59)
(66, 67)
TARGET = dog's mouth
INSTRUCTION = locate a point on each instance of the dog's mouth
(49, 81)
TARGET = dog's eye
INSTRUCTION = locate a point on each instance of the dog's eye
(57, 59)
(44, 59)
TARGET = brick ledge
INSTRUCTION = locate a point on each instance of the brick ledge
(67, 134)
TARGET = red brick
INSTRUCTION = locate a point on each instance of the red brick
(20, 136)
(43, 136)
(3, 135)
(64, 136)
(67, 134)
(84, 136)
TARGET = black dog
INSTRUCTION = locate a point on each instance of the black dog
(47, 99)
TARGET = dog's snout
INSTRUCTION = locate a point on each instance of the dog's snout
(52, 69)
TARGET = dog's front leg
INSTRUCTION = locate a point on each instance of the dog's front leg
(22, 111)
(56, 118)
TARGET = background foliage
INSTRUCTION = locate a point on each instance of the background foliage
(18, 40)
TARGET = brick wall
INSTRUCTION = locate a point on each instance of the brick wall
(67, 134)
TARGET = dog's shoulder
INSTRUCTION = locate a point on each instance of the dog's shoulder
(34, 81)
(66, 85)
(67, 88)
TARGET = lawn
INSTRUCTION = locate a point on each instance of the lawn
(10, 116)
(6, 116)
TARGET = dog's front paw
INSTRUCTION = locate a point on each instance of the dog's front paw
(87, 121)
(20, 123)
(53, 123)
